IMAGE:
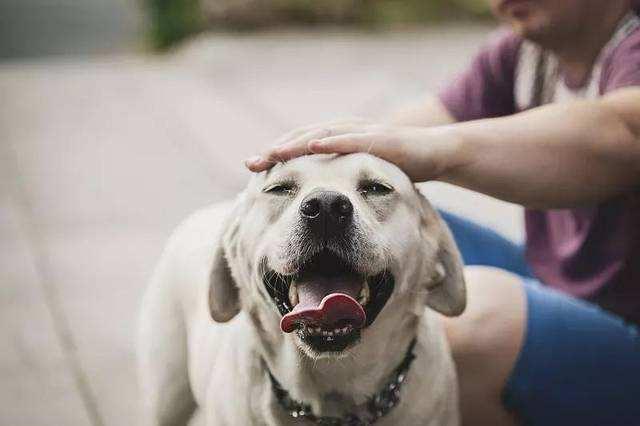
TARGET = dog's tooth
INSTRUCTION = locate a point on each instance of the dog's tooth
(293, 294)
(325, 333)
(363, 297)
(345, 329)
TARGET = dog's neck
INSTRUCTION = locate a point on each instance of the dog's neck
(332, 386)
(377, 406)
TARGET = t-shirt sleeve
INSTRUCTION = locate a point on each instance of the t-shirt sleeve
(486, 88)
(622, 68)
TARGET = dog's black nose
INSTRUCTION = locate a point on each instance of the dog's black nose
(326, 211)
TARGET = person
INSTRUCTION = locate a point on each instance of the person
(547, 116)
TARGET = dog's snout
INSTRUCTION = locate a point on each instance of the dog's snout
(326, 211)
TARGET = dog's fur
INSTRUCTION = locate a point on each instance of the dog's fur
(211, 269)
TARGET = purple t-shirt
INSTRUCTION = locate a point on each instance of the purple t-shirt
(591, 252)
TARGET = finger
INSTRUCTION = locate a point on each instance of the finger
(282, 153)
(258, 164)
(296, 133)
(346, 144)
(297, 147)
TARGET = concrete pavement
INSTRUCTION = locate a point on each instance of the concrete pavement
(101, 158)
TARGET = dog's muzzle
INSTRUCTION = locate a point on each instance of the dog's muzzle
(327, 301)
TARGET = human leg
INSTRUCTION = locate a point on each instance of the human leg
(485, 342)
(480, 245)
(578, 364)
(523, 350)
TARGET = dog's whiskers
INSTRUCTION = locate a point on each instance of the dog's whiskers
(267, 280)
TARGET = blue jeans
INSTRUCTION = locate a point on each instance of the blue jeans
(578, 365)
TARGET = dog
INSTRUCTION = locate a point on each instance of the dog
(309, 299)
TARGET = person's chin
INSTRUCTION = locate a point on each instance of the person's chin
(532, 28)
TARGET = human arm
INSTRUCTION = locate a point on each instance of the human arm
(555, 156)
(425, 113)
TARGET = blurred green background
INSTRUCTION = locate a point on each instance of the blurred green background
(173, 20)
(35, 28)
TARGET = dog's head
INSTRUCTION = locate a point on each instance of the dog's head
(323, 249)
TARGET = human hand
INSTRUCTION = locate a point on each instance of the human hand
(422, 153)
(295, 143)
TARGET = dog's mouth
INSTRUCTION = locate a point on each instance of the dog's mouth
(327, 302)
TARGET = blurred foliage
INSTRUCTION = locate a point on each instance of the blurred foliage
(174, 20)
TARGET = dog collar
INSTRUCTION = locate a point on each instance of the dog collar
(377, 406)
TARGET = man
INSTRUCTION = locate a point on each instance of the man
(547, 116)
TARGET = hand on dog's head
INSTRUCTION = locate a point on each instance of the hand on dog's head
(320, 238)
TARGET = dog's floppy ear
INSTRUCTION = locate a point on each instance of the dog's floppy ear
(224, 299)
(446, 287)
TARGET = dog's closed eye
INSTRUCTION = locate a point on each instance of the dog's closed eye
(280, 188)
(374, 188)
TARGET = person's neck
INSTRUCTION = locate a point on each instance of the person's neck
(577, 55)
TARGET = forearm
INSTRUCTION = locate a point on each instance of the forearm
(555, 156)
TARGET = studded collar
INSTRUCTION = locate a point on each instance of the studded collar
(370, 412)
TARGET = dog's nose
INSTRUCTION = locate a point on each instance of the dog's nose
(326, 211)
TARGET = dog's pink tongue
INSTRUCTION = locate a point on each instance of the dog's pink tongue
(326, 303)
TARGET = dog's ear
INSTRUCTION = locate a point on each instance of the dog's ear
(224, 298)
(224, 301)
(445, 278)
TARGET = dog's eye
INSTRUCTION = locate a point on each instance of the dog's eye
(282, 188)
(374, 188)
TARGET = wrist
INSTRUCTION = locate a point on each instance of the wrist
(445, 152)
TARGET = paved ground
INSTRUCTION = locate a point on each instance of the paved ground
(100, 160)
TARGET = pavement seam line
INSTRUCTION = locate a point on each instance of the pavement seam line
(27, 223)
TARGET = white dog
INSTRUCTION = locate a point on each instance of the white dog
(316, 279)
